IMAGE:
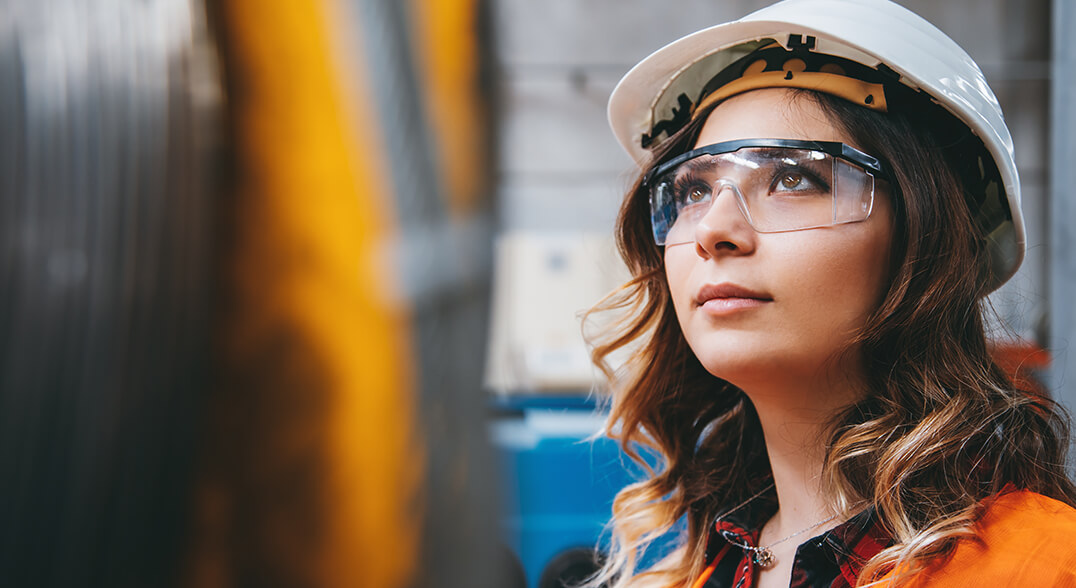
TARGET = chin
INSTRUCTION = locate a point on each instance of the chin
(763, 365)
(738, 369)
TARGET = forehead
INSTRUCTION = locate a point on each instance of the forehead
(771, 113)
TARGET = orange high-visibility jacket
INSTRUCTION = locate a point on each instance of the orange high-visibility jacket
(1023, 539)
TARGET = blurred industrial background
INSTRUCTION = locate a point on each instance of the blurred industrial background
(292, 289)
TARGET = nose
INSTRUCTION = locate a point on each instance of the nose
(724, 228)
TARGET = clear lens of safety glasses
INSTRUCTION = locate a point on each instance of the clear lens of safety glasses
(779, 185)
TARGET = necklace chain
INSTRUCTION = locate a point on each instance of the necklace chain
(722, 516)
(763, 556)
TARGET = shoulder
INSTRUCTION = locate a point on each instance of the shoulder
(1022, 509)
(1022, 539)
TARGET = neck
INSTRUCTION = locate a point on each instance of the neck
(796, 450)
(796, 420)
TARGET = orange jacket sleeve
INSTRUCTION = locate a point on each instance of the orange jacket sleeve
(1024, 539)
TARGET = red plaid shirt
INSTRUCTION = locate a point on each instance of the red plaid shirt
(830, 560)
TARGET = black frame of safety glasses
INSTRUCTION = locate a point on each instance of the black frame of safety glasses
(832, 148)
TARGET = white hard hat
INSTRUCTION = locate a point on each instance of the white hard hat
(875, 33)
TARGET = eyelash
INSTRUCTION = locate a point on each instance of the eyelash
(681, 187)
(802, 171)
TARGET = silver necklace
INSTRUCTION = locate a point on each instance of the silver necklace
(763, 556)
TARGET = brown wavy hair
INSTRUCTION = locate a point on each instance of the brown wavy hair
(941, 427)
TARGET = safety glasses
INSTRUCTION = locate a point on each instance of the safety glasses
(779, 185)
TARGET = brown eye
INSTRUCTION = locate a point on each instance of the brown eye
(697, 195)
(791, 181)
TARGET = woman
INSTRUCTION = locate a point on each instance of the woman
(827, 193)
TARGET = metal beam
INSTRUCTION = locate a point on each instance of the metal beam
(1062, 223)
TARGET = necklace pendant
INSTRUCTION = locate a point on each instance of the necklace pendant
(764, 557)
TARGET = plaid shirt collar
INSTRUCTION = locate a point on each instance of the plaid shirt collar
(830, 560)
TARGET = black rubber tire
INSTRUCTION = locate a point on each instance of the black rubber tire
(570, 568)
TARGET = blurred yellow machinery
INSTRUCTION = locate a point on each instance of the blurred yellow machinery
(222, 354)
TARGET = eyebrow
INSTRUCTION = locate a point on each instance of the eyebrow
(780, 152)
(703, 162)
(694, 165)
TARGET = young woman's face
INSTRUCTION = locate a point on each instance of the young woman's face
(772, 308)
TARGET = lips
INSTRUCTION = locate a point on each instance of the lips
(726, 298)
(727, 290)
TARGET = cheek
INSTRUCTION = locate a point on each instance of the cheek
(845, 282)
(847, 270)
(677, 275)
